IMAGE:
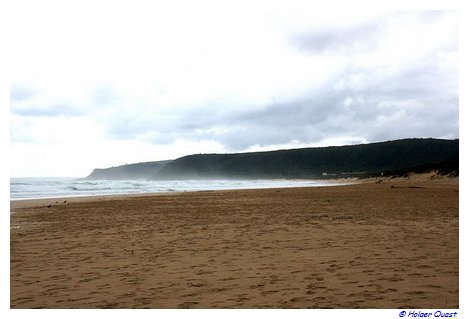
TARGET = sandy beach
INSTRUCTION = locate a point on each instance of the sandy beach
(388, 245)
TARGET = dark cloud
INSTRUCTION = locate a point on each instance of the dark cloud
(411, 102)
(297, 113)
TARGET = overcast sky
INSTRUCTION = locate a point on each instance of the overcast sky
(97, 84)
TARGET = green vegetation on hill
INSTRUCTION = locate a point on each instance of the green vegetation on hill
(390, 158)
(398, 157)
(132, 171)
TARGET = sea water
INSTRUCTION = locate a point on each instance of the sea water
(30, 188)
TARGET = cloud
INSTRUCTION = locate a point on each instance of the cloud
(37, 101)
(104, 95)
(337, 40)
(48, 110)
(20, 92)
(360, 103)
(292, 78)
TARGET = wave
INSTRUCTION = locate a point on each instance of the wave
(49, 188)
(84, 189)
(86, 183)
(20, 183)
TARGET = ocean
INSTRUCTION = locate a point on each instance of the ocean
(31, 188)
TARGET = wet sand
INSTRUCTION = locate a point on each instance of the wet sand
(387, 245)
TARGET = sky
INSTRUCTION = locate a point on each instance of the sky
(99, 84)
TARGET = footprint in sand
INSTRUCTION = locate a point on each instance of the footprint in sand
(187, 304)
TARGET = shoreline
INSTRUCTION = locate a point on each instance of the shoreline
(44, 201)
(392, 244)
(30, 202)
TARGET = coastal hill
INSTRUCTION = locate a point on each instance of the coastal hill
(397, 157)
(129, 171)
(390, 158)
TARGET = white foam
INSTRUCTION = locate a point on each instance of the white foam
(34, 188)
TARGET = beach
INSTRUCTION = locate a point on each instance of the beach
(389, 243)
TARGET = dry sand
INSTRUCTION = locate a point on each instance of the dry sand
(359, 246)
